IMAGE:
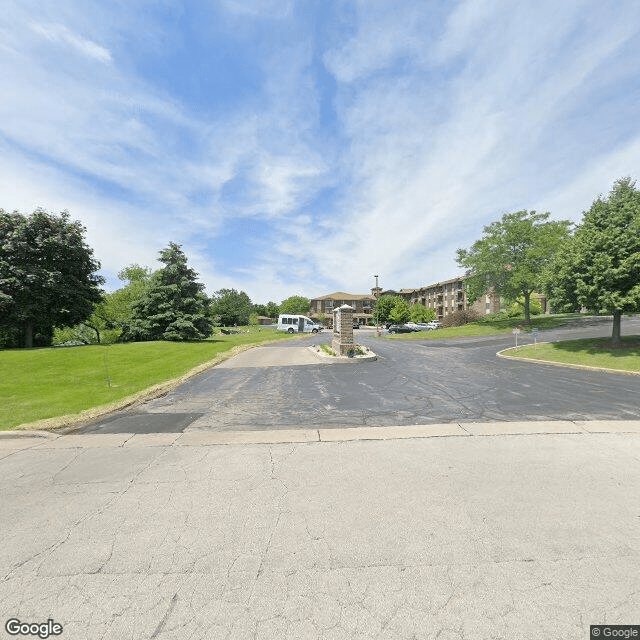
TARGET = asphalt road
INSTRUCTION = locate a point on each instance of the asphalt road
(280, 386)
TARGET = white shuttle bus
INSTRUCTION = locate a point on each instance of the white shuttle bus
(297, 324)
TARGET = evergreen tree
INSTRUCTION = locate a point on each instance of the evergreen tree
(173, 306)
(599, 268)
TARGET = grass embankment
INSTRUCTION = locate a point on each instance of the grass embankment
(488, 327)
(45, 383)
(589, 352)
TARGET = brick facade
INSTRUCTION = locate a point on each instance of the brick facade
(325, 305)
(449, 296)
(445, 297)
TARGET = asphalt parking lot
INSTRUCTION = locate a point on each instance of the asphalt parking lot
(281, 386)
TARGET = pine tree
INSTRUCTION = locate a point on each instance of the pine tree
(174, 307)
(599, 268)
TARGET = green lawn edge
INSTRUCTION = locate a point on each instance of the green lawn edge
(486, 329)
(227, 347)
(585, 353)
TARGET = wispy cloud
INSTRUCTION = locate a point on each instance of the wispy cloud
(260, 8)
(368, 138)
(59, 34)
(466, 127)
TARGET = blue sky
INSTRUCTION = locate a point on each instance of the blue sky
(300, 147)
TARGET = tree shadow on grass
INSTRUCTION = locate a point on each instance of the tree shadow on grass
(630, 346)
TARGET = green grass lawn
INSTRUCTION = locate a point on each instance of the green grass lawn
(592, 352)
(487, 328)
(46, 383)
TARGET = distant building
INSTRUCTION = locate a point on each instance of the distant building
(449, 296)
(324, 306)
(444, 297)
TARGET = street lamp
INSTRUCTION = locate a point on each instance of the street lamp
(377, 323)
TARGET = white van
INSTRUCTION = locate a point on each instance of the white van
(297, 324)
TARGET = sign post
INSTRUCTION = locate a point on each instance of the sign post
(536, 334)
(515, 332)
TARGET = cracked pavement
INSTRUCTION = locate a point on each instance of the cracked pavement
(482, 536)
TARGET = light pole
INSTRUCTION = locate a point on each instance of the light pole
(376, 312)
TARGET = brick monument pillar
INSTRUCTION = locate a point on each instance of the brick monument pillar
(342, 342)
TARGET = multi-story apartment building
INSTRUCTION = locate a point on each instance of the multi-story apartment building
(324, 306)
(445, 297)
(449, 296)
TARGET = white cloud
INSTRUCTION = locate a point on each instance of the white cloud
(442, 123)
(133, 164)
(260, 8)
(571, 199)
(385, 32)
(434, 159)
(60, 34)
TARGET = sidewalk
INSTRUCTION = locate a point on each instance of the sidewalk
(501, 531)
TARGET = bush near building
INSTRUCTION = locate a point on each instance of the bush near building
(460, 317)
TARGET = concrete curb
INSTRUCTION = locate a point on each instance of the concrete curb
(502, 354)
(325, 357)
(7, 435)
(196, 438)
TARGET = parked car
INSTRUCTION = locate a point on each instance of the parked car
(417, 326)
(400, 328)
(434, 324)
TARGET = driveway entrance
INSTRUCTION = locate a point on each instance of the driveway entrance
(283, 386)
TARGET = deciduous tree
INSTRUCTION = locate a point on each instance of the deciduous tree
(230, 307)
(400, 312)
(383, 307)
(273, 310)
(47, 275)
(421, 313)
(115, 311)
(295, 305)
(512, 256)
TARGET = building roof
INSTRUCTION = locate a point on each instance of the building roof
(341, 295)
(434, 284)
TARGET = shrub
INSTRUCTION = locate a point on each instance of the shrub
(460, 317)
(517, 308)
